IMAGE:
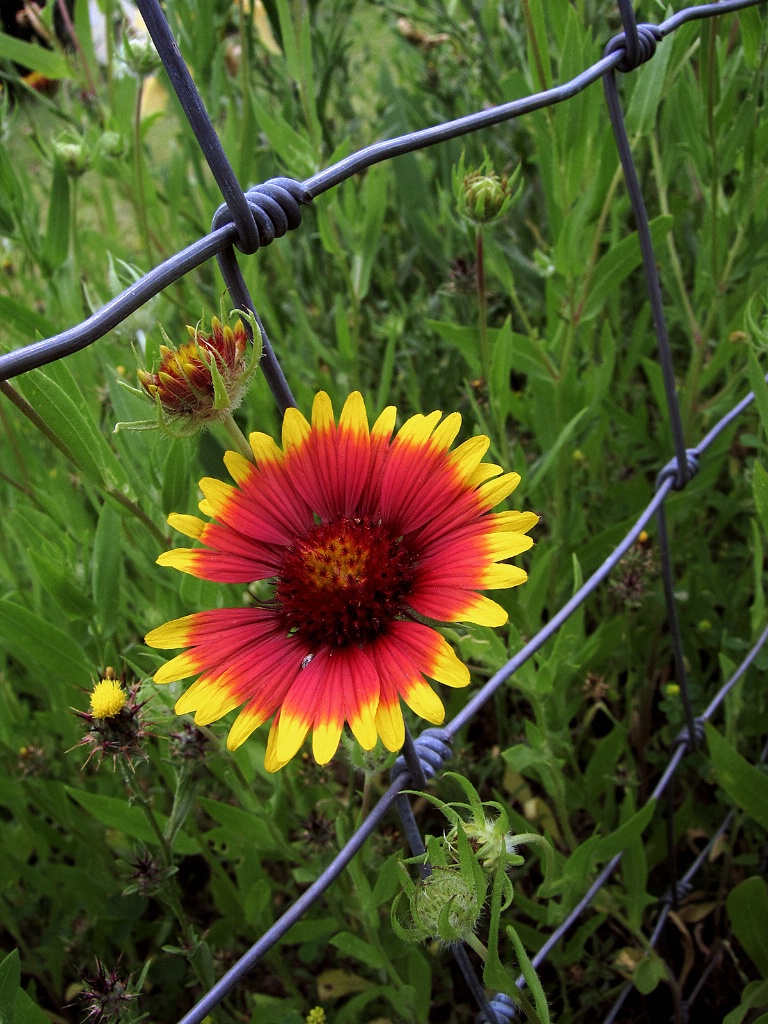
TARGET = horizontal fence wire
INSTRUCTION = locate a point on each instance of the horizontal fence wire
(249, 220)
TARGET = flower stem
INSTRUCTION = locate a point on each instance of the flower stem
(482, 308)
(236, 435)
(138, 169)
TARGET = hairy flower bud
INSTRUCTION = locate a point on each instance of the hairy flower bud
(446, 906)
(138, 53)
(202, 380)
(73, 153)
(484, 196)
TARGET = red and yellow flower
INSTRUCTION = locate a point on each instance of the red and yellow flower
(364, 535)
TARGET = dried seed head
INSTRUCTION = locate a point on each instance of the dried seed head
(105, 996)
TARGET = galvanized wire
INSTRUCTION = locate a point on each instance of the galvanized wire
(251, 219)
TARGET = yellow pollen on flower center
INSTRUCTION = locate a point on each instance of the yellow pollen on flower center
(335, 563)
(344, 582)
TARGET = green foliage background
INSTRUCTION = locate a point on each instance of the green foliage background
(376, 291)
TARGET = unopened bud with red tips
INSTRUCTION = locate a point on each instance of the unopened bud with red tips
(201, 381)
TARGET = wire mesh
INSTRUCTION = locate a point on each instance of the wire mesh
(249, 220)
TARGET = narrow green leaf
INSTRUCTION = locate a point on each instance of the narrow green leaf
(649, 90)
(759, 387)
(760, 493)
(10, 980)
(130, 819)
(177, 476)
(56, 243)
(618, 841)
(618, 264)
(105, 569)
(57, 399)
(530, 975)
(538, 47)
(28, 322)
(42, 647)
(746, 785)
(748, 911)
(355, 947)
(752, 34)
(34, 57)
(543, 466)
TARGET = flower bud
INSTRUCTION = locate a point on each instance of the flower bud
(482, 195)
(200, 381)
(490, 842)
(485, 196)
(112, 145)
(138, 53)
(73, 154)
(446, 906)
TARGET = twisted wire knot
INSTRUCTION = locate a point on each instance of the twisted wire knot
(677, 892)
(275, 207)
(672, 470)
(433, 748)
(503, 1010)
(684, 739)
(648, 36)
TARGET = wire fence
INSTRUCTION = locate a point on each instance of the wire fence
(252, 219)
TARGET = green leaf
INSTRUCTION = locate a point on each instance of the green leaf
(648, 973)
(759, 388)
(760, 493)
(754, 995)
(130, 819)
(105, 570)
(752, 34)
(36, 58)
(238, 827)
(10, 980)
(355, 947)
(649, 90)
(538, 47)
(27, 1011)
(748, 911)
(530, 975)
(56, 243)
(28, 322)
(57, 399)
(42, 647)
(618, 264)
(745, 785)
(618, 841)
(599, 773)
(543, 466)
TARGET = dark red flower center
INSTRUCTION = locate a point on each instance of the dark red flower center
(344, 582)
